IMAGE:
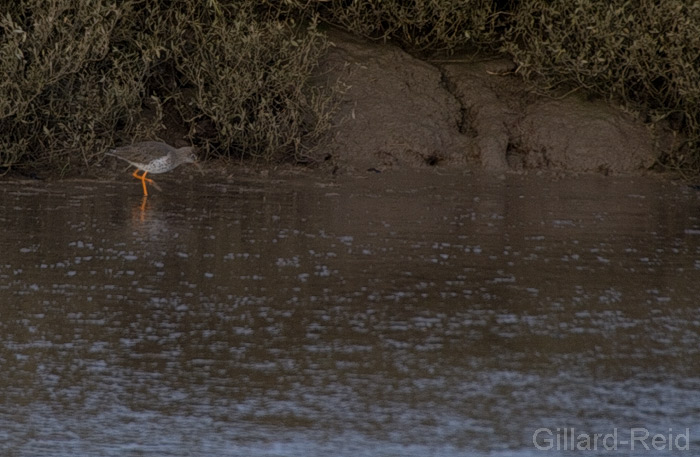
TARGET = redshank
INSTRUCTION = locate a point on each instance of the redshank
(153, 157)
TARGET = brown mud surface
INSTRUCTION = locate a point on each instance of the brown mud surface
(474, 112)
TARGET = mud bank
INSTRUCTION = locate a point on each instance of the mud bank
(399, 110)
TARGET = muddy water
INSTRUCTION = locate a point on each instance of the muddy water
(382, 315)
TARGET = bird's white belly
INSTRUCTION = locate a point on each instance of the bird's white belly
(159, 165)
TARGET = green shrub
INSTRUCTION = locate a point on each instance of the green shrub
(640, 53)
(63, 90)
(78, 76)
(248, 80)
(420, 24)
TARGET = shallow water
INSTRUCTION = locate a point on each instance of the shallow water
(392, 314)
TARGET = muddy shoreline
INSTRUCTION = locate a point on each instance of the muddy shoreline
(465, 112)
(473, 112)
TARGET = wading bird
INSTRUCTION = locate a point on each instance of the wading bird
(153, 157)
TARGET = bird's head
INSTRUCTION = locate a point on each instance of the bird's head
(188, 156)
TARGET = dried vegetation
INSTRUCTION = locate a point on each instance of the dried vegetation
(641, 54)
(78, 76)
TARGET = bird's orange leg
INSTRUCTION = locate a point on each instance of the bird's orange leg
(143, 179)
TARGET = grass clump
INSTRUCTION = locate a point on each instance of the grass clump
(421, 24)
(79, 76)
(63, 90)
(247, 81)
(643, 54)
(430, 25)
